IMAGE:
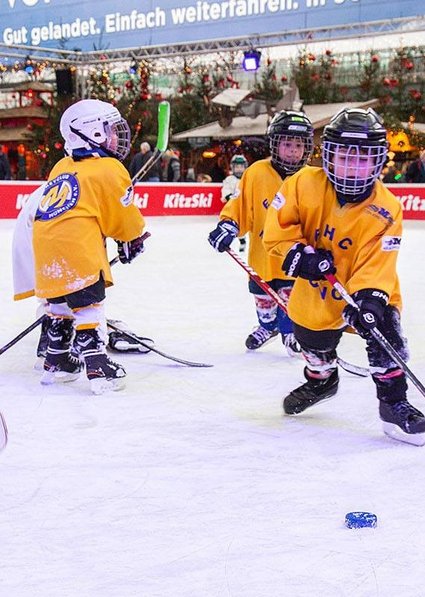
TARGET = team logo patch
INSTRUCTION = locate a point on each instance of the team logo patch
(278, 201)
(391, 243)
(61, 194)
(127, 199)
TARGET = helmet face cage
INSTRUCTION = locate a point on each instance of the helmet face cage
(238, 165)
(354, 151)
(285, 127)
(118, 138)
(356, 178)
(93, 124)
(287, 164)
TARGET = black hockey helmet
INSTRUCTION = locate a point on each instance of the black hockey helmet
(289, 124)
(355, 133)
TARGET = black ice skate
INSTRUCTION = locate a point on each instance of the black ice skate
(310, 393)
(292, 347)
(101, 371)
(403, 422)
(60, 364)
(120, 342)
(259, 337)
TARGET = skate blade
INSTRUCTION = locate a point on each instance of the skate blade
(47, 378)
(101, 385)
(39, 364)
(65, 377)
(50, 377)
(394, 431)
(3, 433)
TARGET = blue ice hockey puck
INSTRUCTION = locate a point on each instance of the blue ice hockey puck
(360, 520)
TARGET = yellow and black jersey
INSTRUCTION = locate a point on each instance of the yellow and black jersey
(364, 239)
(248, 208)
(83, 203)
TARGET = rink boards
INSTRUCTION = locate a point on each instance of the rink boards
(168, 199)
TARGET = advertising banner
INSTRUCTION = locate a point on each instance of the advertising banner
(190, 199)
(158, 199)
(87, 25)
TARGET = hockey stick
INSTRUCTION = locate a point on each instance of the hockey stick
(350, 368)
(377, 335)
(162, 140)
(136, 339)
(26, 331)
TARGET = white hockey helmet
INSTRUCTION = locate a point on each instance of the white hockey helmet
(91, 125)
(238, 165)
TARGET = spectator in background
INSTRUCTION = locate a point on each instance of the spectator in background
(416, 171)
(173, 172)
(139, 160)
(190, 175)
(203, 178)
(390, 175)
(5, 173)
(218, 173)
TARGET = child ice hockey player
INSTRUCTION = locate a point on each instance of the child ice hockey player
(354, 225)
(88, 198)
(238, 165)
(290, 136)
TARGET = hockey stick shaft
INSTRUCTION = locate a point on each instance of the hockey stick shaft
(24, 332)
(378, 336)
(161, 142)
(136, 339)
(354, 369)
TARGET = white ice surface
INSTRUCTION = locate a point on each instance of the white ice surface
(191, 483)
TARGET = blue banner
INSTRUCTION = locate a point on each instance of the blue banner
(107, 24)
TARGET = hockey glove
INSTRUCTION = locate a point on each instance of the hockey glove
(310, 266)
(222, 236)
(371, 310)
(127, 251)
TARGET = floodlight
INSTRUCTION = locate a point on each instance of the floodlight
(133, 68)
(251, 60)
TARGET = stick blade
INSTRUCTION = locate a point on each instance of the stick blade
(164, 112)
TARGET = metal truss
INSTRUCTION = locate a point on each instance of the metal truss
(301, 36)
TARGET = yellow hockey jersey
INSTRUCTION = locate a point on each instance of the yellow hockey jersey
(83, 203)
(364, 239)
(248, 208)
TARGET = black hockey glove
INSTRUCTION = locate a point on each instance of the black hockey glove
(127, 251)
(310, 266)
(222, 236)
(371, 305)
